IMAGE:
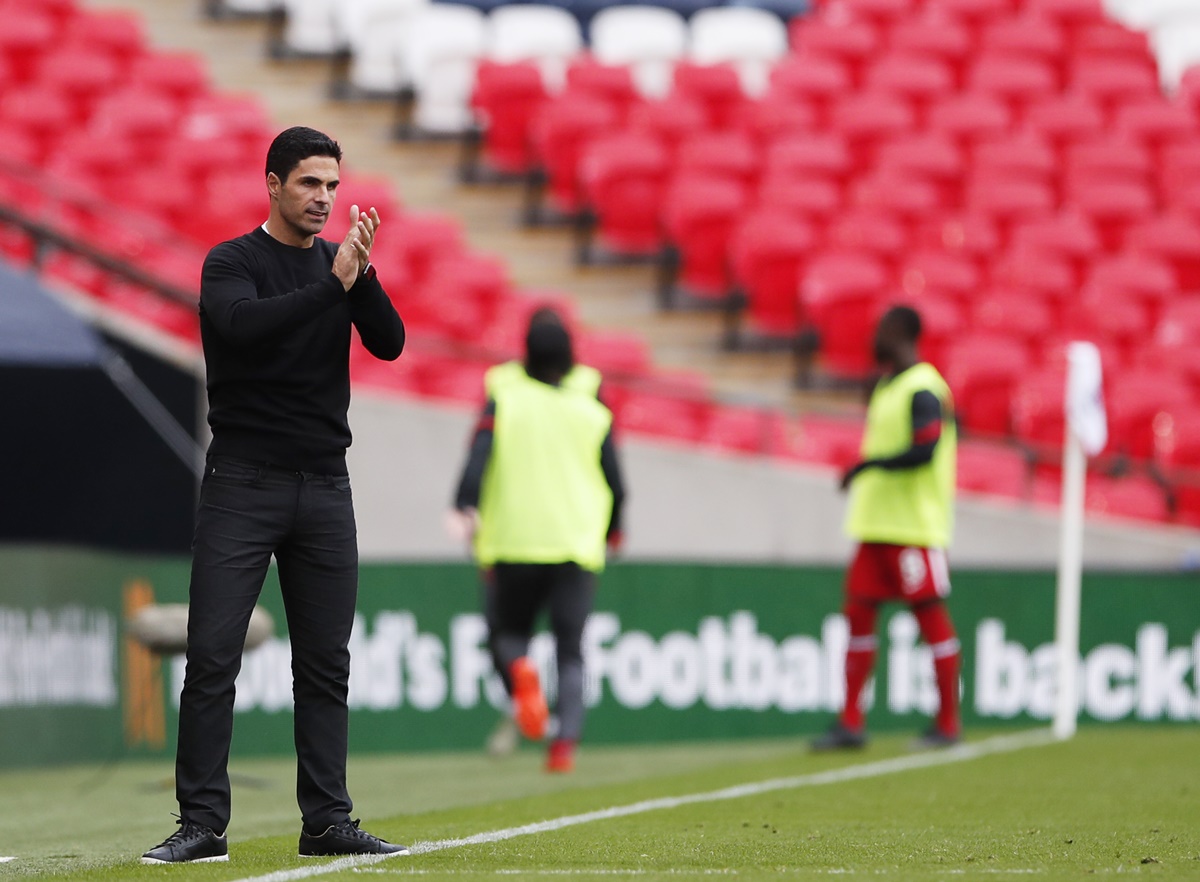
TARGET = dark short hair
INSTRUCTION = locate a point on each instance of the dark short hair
(549, 355)
(906, 320)
(293, 146)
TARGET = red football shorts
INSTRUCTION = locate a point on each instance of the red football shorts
(911, 574)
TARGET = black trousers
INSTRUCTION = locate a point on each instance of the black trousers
(249, 512)
(514, 595)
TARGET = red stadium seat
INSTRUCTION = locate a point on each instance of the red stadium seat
(934, 272)
(699, 216)
(982, 372)
(935, 158)
(1024, 36)
(27, 34)
(1022, 315)
(732, 156)
(1109, 40)
(744, 429)
(1067, 118)
(774, 117)
(1070, 13)
(1177, 456)
(1019, 157)
(82, 76)
(919, 79)
(673, 121)
(814, 80)
(662, 415)
(877, 232)
(970, 117)
(1120, 320)
(616, 354)
(817, 156)
(1112, 83)
(114, 31)
(715, 87)
(507, 98)
(811, 199)
(879, 12)
(1068, 234)
(908, 198)
(998, 469)
(1149, 278)
(1135, 401)
(971, 235)
(1114, 207)
(768, 253)
(976, 12)
(869, 118)
(1155, 122)
(842, 294)
(610, 83)
(1018, 81)
(933, 35)
(943, 321)
(181, 75)
(1174, 238)
(849, 42)
(1037, 409)
(560, 133)
(624, 178)
(1131, 496)
(1049, 276)
(1008, 201)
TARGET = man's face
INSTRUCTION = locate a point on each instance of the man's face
(887, 338)
(306, 197)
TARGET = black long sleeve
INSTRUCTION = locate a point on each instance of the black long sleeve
(470, 485)
(612, 473)
(376, 320)
(275, 324)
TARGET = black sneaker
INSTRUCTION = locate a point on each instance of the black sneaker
(346, 838)
(840, 738)
(191, 843)
(935, 739)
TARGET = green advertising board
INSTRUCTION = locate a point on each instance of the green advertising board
(674, 651)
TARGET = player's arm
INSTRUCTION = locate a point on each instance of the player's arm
(616, 483)
(229, 298)
(378, 324)
(926, 432)
(470, 485)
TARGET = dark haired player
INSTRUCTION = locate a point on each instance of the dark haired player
(901, 512)
(277, 306)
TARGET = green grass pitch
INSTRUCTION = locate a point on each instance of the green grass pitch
(1111, 801)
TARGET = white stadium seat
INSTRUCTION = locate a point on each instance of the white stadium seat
(442, 51)
(752, 39)
(547, 35)
(1177, 47)
(310, 28)
(377, 31)
(648, 38)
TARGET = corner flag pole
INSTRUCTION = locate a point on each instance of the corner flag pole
(1086, 433)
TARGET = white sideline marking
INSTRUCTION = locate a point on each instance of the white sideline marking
(960, 753)
(5, 860)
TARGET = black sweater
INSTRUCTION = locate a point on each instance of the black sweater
(275, 325)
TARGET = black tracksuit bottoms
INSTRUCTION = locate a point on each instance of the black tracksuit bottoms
(248, 512)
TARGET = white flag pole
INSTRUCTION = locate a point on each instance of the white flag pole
(1070, 580)
(1086, 434)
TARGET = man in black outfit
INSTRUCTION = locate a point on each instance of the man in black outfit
(276, 309)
